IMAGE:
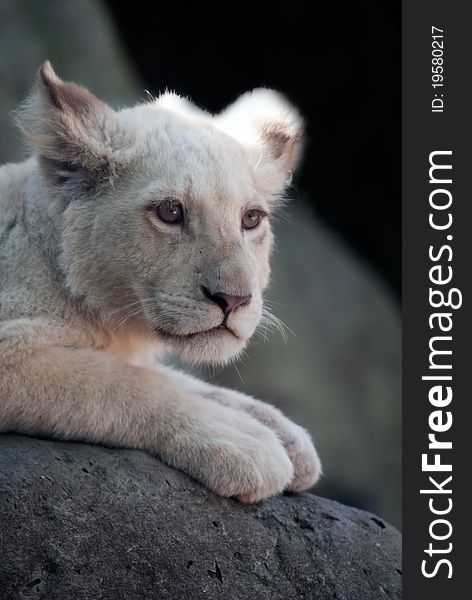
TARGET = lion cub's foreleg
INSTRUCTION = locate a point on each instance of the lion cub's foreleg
(51, 384)
(296, 440)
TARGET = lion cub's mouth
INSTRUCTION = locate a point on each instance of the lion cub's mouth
(213, 332)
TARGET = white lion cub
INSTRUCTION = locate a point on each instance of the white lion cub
(125, 234)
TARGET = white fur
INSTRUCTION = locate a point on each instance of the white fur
(96, 289)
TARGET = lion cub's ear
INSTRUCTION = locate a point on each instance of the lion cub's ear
(75, 133)
(264, 121)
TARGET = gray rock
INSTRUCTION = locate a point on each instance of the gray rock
(80, 41)
(86, 522)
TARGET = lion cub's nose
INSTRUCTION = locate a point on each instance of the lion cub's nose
(226, 302)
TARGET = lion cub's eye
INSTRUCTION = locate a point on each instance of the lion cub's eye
(252, 218)
(170, 211)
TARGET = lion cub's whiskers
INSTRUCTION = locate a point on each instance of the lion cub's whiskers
(270, 321)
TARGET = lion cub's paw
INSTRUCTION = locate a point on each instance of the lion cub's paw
(297, 443)
(295, 440)
(304, 457)
(246, 460)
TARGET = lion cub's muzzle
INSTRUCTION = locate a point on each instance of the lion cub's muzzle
(227, 302)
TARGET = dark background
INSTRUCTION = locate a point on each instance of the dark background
(340, 63)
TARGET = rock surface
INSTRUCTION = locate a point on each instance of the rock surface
(81, 522)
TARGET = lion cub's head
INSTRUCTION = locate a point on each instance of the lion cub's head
(164, 209)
